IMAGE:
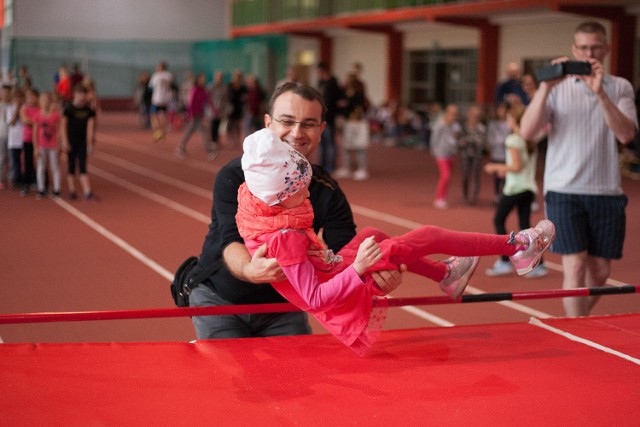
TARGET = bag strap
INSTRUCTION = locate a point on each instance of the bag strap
(194, 281)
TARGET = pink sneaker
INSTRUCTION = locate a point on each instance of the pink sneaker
(460, 271)
(532, 242)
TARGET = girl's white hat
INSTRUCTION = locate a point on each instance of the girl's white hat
(272, 169)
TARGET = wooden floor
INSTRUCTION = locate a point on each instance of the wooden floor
(153, 211)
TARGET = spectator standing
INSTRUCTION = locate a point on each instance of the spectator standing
(142, 97)
(197, 103)
(64, 86)
(588, 115)
(472, 142)
(78, 140)
(444, 146)
(161, 93)
(497, 132)
(254, 107)
(24, 78)
(6, 163)
(46, 136)
(14, 139)
(511, 87)
(332, 95)
(520, 187)
(28, 113)
(218, 94)
(356, 132)
(237, 95)
(76, 76)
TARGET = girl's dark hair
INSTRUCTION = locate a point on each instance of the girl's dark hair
(516, 111)
(305, 91)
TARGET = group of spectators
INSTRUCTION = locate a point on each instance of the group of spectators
(223, 113)
(35, 127)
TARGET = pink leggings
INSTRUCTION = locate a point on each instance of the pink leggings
(412, 248)
(445, 167)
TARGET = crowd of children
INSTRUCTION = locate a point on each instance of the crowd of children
(37, 127)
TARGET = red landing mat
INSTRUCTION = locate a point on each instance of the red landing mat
(498, 375)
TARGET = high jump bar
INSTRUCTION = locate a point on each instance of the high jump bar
(77, 316)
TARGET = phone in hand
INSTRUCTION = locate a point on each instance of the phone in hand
(555, 71)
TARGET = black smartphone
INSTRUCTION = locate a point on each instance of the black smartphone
(550, 72)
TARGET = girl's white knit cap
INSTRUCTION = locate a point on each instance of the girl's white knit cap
(272, 169)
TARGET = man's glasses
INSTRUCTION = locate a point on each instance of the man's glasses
(305, 126)
(587, 48)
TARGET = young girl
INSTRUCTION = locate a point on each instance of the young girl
(443, 144)
(471, 142)
(28, 112)
(497, 132)
(15, 142)
(520, 187)
(198, 100)
(46, 133)
(356, 132)
(273, 209)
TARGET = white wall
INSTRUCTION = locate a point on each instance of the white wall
(176, 20)
(368, 49)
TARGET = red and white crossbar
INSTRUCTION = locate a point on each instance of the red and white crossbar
(77, 316)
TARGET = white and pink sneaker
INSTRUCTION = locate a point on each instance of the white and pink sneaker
(532, 243)
(460, 271)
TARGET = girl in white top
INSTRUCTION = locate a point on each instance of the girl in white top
(520, 187)
(15, 143)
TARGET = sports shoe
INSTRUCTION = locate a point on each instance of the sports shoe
(342, 173)
(440, 204)
(158, 135)
(460, 271)
(500, 268)
(361, 175)
(540, 271)
(532, 243)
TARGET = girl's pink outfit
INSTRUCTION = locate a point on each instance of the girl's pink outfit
(349, 306)
(31, 112)
(47, 129)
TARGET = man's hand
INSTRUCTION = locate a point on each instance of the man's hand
(594, 80)
(389, 280)
(254, 269)
(262, 269)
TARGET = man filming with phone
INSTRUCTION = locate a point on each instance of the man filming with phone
(587, 114)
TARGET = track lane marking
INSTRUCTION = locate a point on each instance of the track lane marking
(537, 322)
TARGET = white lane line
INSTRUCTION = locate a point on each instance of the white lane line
(151, 151)
(512, 305)
(115, 239)
(161, 177)
(425, 315)
(572, 337)
(151, 195)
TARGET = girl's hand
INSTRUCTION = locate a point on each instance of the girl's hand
(368, 254)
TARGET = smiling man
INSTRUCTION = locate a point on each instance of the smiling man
(295, 114)
(583, 196)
